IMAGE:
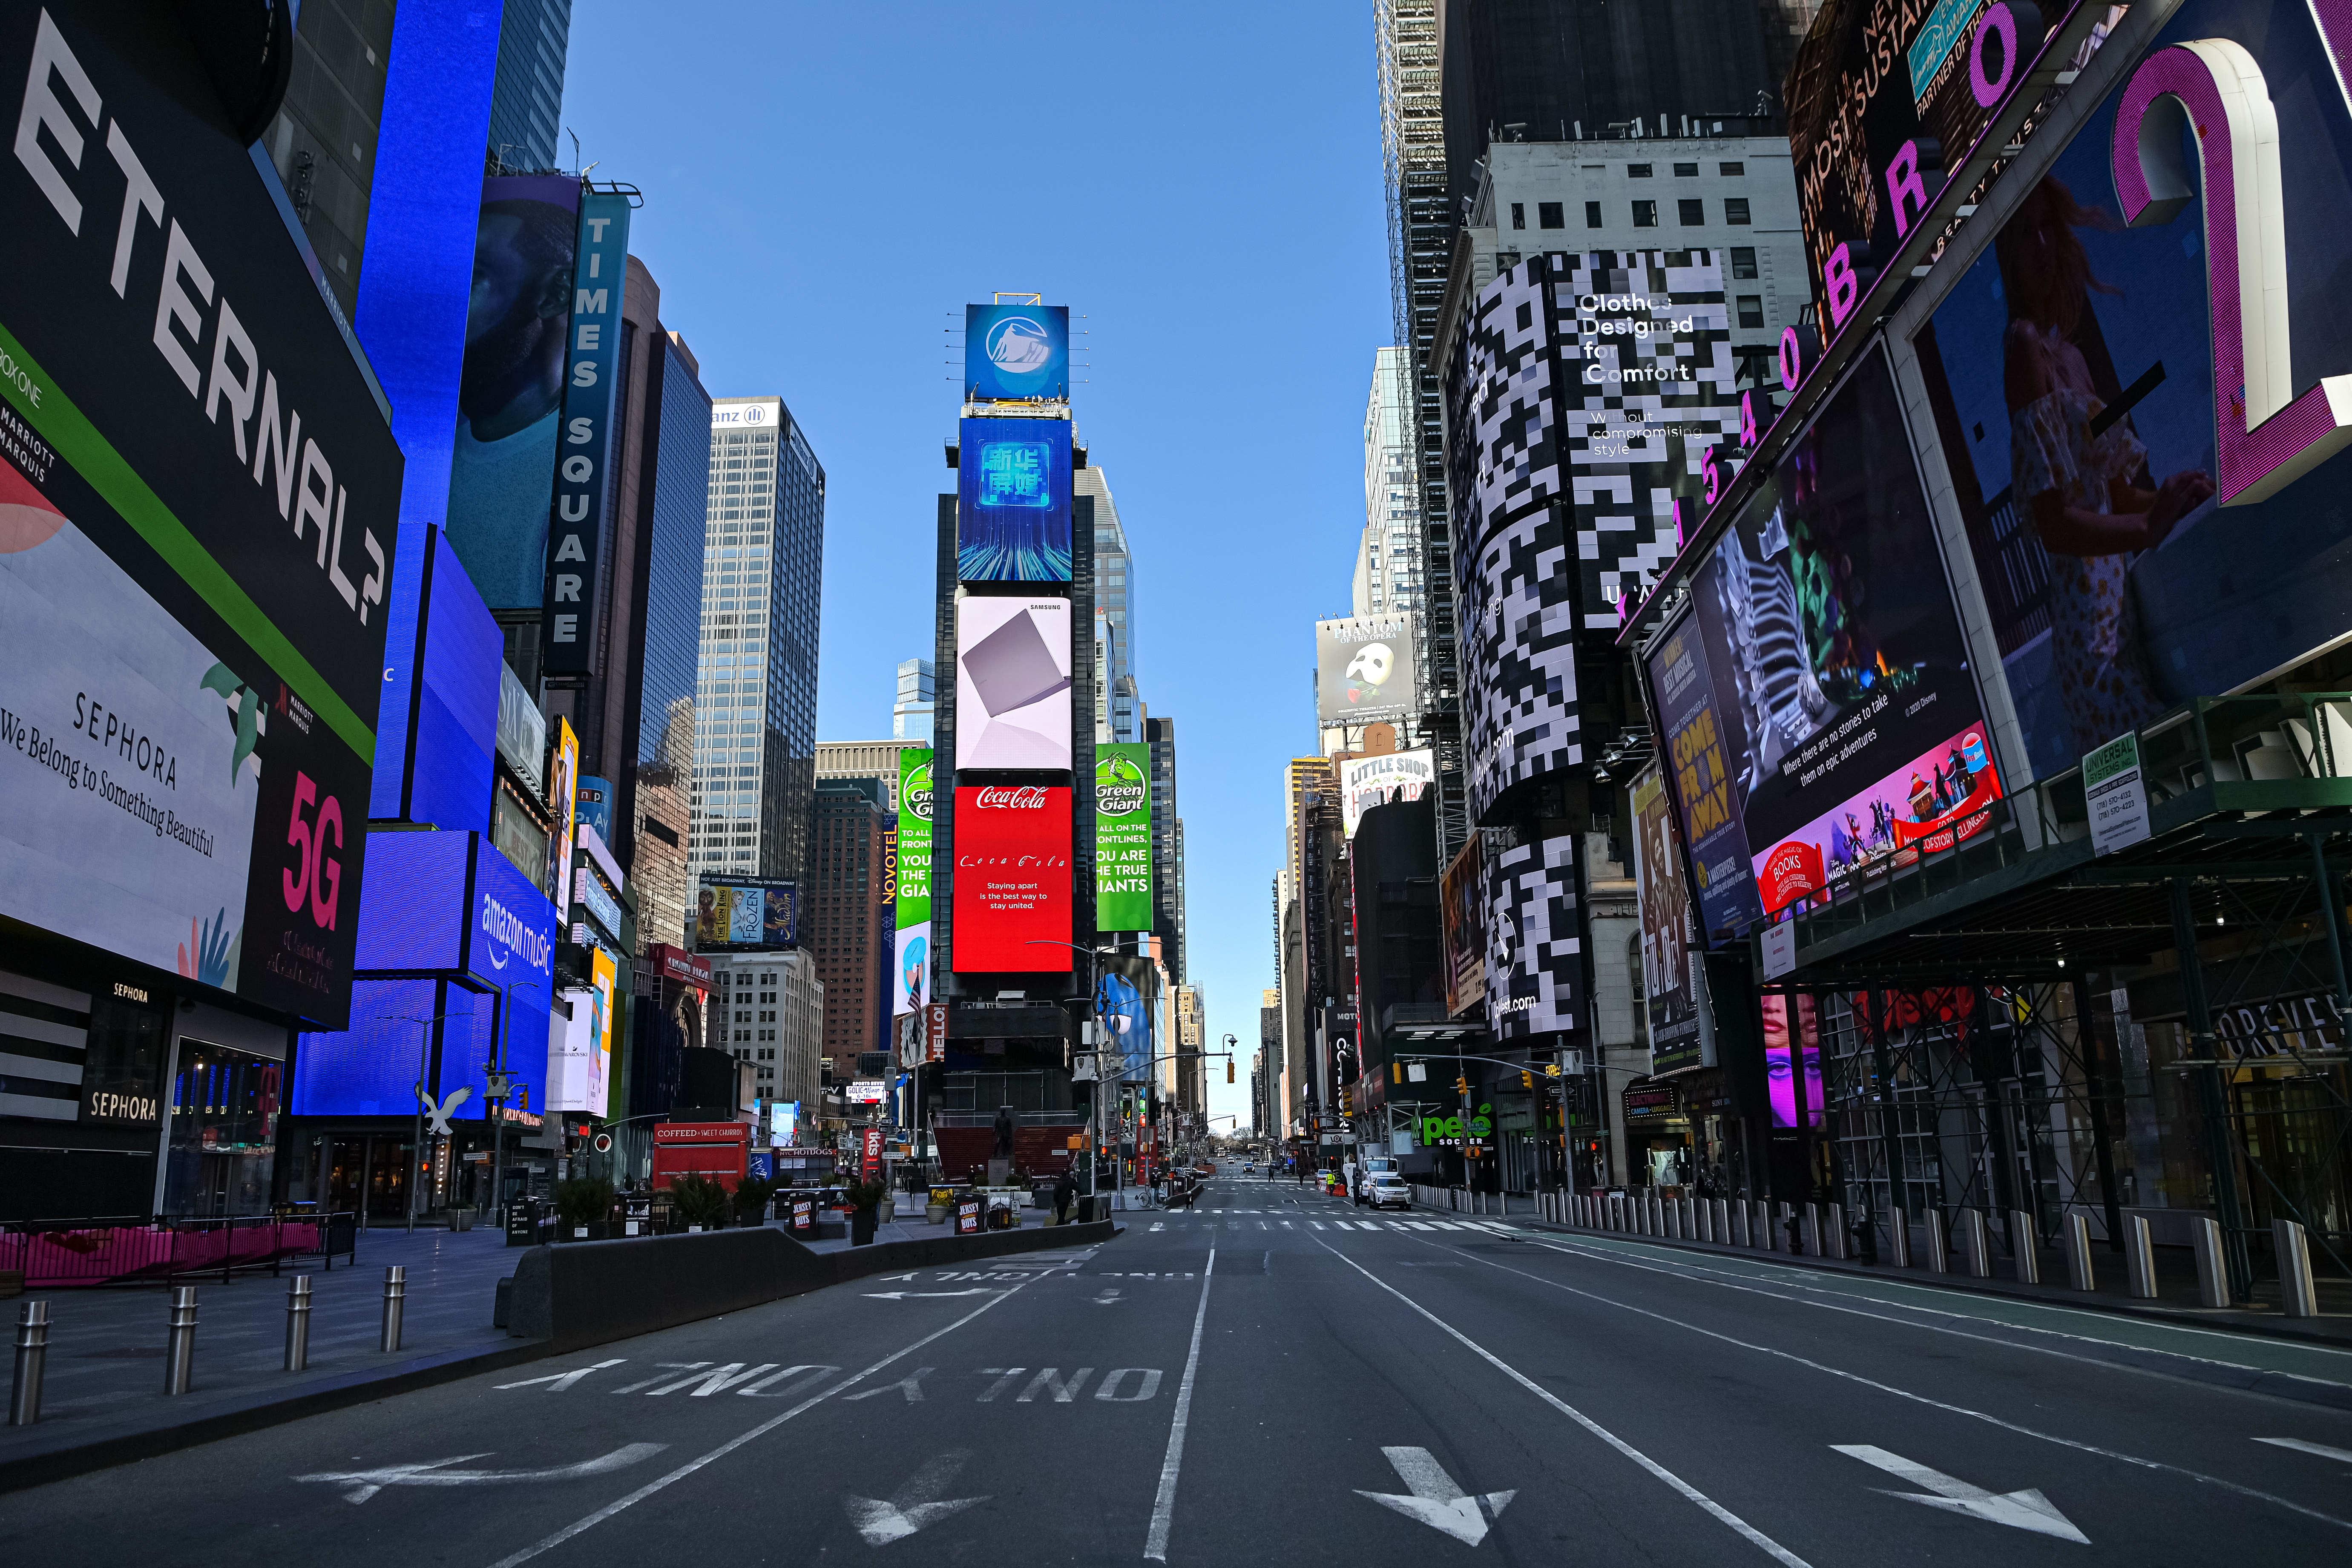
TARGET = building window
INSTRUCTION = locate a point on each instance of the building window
(1592, 214)
(1685, 171)
(1735, 209)
(1743, 262)
(1519, 215)
(1547, 214)
(1692, 211)
(1637, 171)
(1751, 311)
(1645, 214)
(1733, 169)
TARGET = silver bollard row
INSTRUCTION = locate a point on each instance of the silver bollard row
(180, 1341)
(396, 1293)
(298, 1322)
(32, 1363)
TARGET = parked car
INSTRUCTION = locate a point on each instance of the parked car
(1387, 1190)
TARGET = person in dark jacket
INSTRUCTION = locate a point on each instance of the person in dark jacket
(1066, 1191)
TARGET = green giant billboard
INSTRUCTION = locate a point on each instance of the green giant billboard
(1122, 838)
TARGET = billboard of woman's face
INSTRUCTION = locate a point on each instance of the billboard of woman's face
(1781, 1064)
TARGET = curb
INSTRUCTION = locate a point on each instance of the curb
(256, 1411)
(2284, 1385)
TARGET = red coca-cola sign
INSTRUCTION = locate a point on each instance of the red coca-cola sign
(1012, 873)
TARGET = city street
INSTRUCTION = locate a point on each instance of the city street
(1278, 1371)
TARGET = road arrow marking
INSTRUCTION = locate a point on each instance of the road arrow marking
(1435, 1500)
(885, 1279)
(557, 1382)
(2023, 1510)
(925, 1295)
(2300, 1447)
(1110, 1297)
(365, 1484)
(912, 1506)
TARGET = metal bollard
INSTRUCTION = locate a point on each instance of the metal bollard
(396, 1290)
(1744, 1234)
(1978, 1242)
(1940, 1251)
(1833, 1238)
(2079, 1271)
(1759, 1225)
(1812, 1246)
(32, 1361)
(2024, 1244)
(1723, 1222)
(2212, 1281)
(298, 1322)
(180, 1346)
(2139, 1259)
(1898, 1234)
(2298, 1295)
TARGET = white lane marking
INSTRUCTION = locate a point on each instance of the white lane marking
(591, 1520)
(2023, 1510)
(1049, 1380)
(2300, 1447)
(1989, 1419)
(1163, 1506)
(912, 1506)
(717, 1380)
(1159, 1224)
(1445, 1224)
(1435, 1500)
(924, 1294)
(910, 1385)
(365, 1484)
(1748, 1532)
(557, 1382)
(1287, 1225)
(1316, 1223)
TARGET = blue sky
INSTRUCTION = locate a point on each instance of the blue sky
(826, 186)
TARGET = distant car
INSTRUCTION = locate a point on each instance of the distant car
(1384, 1190)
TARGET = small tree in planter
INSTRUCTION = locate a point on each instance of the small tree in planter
(582, 1204)
(866, 1209)
(700, 1201)
(751, 1196)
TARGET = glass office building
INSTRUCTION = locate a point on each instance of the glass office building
(763, 576)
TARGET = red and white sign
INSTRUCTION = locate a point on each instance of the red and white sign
(935, 1032)
(681, 966)
(1012, 879)
(871, 1165)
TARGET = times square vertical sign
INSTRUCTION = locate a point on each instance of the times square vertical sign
(198, 490)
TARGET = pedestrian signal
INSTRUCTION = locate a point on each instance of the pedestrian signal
(1552, 1069)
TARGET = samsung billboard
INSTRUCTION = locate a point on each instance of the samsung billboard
(198, 500)
(1012, 683)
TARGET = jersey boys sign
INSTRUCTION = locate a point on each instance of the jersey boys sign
(1013, 879)
(197, 505)
(576, 538)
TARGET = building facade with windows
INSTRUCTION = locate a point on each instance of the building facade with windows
(917, 702)
(867, 761)
(1388, 556)
(769, 1010)
(1115, 603)
(842, 916)
(527, 102)
(764, 562)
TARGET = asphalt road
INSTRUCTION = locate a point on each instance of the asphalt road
(1273, 1377)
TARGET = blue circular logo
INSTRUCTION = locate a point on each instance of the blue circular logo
(1019, 345)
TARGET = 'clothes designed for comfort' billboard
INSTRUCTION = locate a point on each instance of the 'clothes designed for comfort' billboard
(1013, 879)
(1012, 683)
(2073, 374)
(1012, 500)
(913, 987)
(1016, 353)
(199, 509)
(1122, 837)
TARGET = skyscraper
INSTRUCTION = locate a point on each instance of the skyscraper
(323, 142)
(1388, 557)
(755, 750)
(1167, 847)
(1115, 602)
(910, 715)
(842, 911)
(527, 103)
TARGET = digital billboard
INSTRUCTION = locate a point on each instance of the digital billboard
(2072, 371)
(1012, 500)
(1882, 96)
(1462, 910)
(1122, 837)
(912, 987)
(1668, 980)
(1855, 738)
(510, 393)
(1016, 353)
(576, 537)
(1367, 782)
(1013, 879)
(579, 1052)
(745, 915)
(198, 507)
(563, 796)
(1012, 683)
(1364, 670)
(1695, 743)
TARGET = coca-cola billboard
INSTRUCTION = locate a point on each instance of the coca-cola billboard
(1011, 878)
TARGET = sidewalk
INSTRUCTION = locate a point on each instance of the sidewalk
(105, 1372)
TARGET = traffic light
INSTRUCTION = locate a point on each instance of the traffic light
(1462, 1084)
(1228, 1069)
(1527, 1079)
(1552, 1069)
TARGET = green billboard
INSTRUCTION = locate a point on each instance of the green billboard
(1122, 838)
(912, 988)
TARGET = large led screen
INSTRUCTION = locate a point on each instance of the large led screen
(1667, 982)
(1012, 500)
(1123, 837)
(198, 507)
(1013, 879)
(1016, 352)
(912, 908)
(1839, 689)
(745, 915)
(1012, 683)
(511, 395)
(2071, 374)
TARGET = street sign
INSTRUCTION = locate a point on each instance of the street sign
(935, 1032)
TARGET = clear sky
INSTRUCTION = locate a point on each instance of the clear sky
(826, 186)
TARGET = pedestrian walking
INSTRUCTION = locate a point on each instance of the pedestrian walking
(1065, 1190)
